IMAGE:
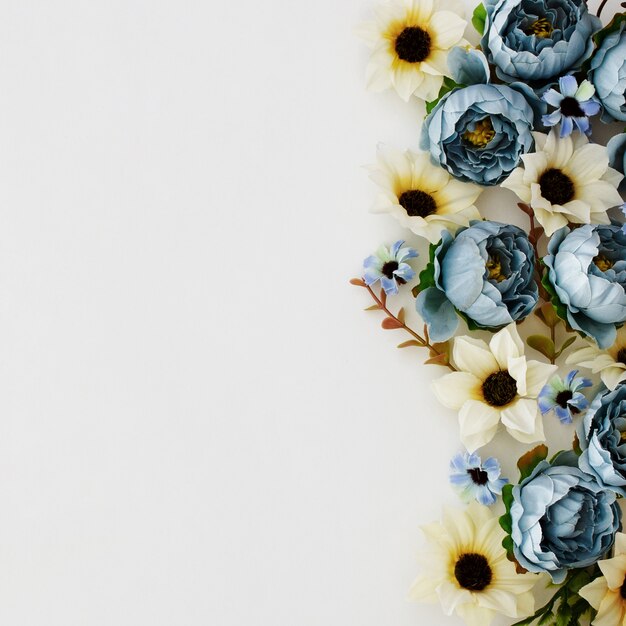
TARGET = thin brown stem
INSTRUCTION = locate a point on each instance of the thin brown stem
(421, 340)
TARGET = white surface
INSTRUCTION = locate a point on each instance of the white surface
(199, 423)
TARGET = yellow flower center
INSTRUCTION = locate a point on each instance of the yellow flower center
(482, 134)
(602, 263)
(494, 267)
(541, 28)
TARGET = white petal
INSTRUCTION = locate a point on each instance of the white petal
(537, 375)
(453, 390)
(446, 29)
(505, 344)
(479, 423)
(521, 416)
(473, 355)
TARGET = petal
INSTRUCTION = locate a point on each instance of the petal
(479, 423)
(473, 355)
(506, 344)
(521, 416)
(537, 374)
(453, 390)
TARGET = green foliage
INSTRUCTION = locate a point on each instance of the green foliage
(529, 461)
(542, 344)
(447, 87)
(559, 307)
(427, 275)
(479, 17)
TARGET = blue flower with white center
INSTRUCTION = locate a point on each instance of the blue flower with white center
(390, 267)
(474, 480)
(574, 105)
(563, 397)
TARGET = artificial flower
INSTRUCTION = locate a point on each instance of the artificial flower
(494, 383)
(566, 179)
(610, 363)
(467, 570)
(389, 266)
(616, 147)
(587, 271)
(536, 41)
(475, 480)
(485, 273)
(478, 133)
(562, 518)
(563, 397)
(574, 105)
(421, 196)
(608, 73)
(410, 40)
(601, 436)
(607, 593)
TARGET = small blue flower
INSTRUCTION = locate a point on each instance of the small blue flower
(574, 105)
(475, 480)
(389, 266)
(563, 397)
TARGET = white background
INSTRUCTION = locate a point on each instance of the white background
(199, 424)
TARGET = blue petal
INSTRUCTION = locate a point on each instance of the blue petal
(553, 98)
(438, 313)
(568, 86)
(389, 285)
(567, 126)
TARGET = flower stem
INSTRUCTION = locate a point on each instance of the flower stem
(602, 5)
(421, 340)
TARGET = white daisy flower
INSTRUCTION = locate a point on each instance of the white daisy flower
(421, 196)
(607, 594)
(495, 383)
(468, 572)
(610, 364)
(410, 40)
(566, 179)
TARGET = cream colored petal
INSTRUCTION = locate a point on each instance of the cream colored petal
(420, 11)
(521, 416)
(475, 615)
(446, 29)
(587, 164)
(473, 355)
(478, 424)
(599, 194)
(423, 589)
(515, 182)
(558, 149)
(406, 81)
(540, 141)
(454, 389)
(517, 367)
(614, 571)
(611, 611)
(506, 344)
(551, 222)
(436, 63)
(594, 592)
(578, 211)
(583, 356)
(613, 376)
(613, 177)
(429, 87)
(620, 544)
(535, 164)
(537, 375)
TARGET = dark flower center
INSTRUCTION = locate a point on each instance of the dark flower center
(389, 268)
(563, 397)
(418, 203)
(622, 591)
(556, 187)
(413, 44)
(621, 356)
(541, 28)
(499, 388)
(478, 476)
(571, 108)
(472, 572)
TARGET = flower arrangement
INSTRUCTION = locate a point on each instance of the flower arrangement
(518, 111)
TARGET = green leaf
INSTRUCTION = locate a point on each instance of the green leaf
(448, 86)
(542, 344)
(559, 307)
(546, 619)
(427, 275)
(529, 461)
(564, 614)
(566, 344)
(479, 17)
(547, 314)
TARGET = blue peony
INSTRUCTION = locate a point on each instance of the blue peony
(478, 133)
(485, 272)
(562, 518)
(608, 74)
(616, 148)
(537, 41)
(587, 272)
(602, 435)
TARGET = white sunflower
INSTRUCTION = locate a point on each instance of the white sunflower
(468, 572)
(410, 40)
(610, 364)
(607, 594)
(566, 179)
(495, 383)
(421, 196)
